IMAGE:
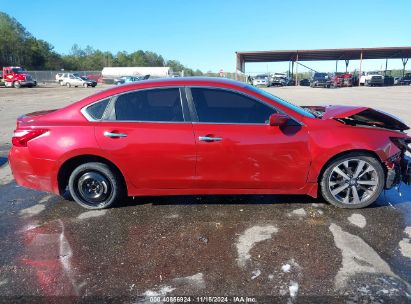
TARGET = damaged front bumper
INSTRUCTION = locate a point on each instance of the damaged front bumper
(406, 176)
(398, 172)
(398, 166)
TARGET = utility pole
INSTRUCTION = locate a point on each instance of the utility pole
(296, 71)
(360, 73)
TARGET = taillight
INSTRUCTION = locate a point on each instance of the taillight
(21, 137)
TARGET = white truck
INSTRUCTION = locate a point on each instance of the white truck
(278, 79)
(372, 79)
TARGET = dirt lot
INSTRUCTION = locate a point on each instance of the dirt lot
(270, 248)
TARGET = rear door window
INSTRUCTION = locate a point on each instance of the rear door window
(223, 106)
(150, 105)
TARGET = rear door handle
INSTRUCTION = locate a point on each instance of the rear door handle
(114, 135)
(209, 139)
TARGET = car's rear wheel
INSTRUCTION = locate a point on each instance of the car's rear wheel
(96, 186)
(68, 84)
(17, 84)
(85, 85)
(353, 180)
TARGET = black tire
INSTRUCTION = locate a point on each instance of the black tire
(68, 85)
(377, 176)
(96, 179)
(17, 85)
(66, 195)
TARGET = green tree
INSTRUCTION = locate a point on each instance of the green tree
(19, 47)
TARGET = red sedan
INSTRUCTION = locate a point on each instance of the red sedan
(207, 136)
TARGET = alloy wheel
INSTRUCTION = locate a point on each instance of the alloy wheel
(353, 181)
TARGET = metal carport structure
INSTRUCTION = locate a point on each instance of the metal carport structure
(295, 56)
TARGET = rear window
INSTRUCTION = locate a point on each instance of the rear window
(96, 110)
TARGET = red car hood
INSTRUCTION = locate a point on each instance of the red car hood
(354, 115)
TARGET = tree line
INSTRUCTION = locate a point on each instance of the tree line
(20, 48)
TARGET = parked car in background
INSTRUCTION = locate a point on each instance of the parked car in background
(388, 78)
(17, 77)
(59, 77)
(278, 79)
(74, 80)
(90, 82)
(197, 136)
(406, 80)
(96, 78)
(304, 82)
(290, 82)
(127, 79)
(320, 80)
(372, 79)
(339, 80)
(261, 80)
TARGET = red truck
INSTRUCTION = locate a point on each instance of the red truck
(339, 80)
(17, 77)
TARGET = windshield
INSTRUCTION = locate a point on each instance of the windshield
(18, 70)
(260, 77)
(287, 104)
(320, 75)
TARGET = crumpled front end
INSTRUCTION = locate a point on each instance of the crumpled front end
(399, 166)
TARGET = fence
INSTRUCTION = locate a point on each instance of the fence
(50, 76)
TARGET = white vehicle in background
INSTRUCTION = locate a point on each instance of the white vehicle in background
(278, 79)
(261, 80)
(59, 77)
(74, 80)
(372, 79)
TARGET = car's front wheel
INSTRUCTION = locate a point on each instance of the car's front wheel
(96, 186)
(353, 180)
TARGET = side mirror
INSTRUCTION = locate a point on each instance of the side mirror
(278, 120)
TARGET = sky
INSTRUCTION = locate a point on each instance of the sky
(205, 34)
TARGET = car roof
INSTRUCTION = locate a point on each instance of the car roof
(217, 80)
(164, 82)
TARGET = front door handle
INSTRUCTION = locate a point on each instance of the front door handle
(209, 139)
(114, 135)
